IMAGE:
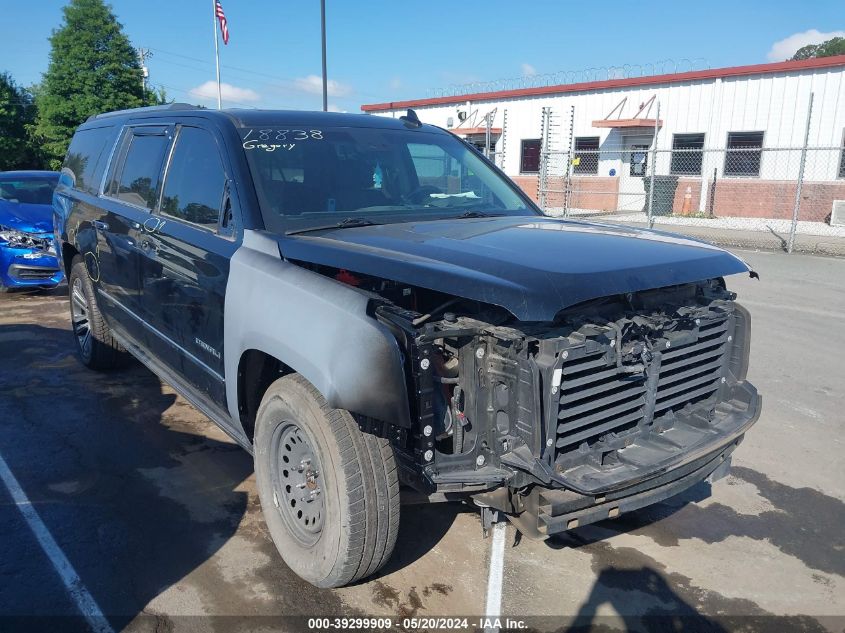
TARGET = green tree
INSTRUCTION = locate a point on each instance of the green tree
(17, 112)
(93, 68)
(833, 46)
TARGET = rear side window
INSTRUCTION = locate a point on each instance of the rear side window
(137, 176)
(195, 181)
(84, 161)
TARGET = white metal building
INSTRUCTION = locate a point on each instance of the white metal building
(740, 129)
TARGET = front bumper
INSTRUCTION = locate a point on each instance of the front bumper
(28, 267)
(551, 511)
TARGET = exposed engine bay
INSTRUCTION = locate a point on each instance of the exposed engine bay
(613, 394)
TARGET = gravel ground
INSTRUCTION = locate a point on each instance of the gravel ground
(740, 224)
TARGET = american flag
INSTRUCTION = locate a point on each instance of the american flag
(224, 25)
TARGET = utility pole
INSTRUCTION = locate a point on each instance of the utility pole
(143, 55)
(325, 77)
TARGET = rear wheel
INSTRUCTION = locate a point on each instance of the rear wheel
(95, 346)
(329, 492)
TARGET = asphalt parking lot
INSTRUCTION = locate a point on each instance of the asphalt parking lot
(157, 513)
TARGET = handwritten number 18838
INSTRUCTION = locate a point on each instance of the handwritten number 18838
(285, 135)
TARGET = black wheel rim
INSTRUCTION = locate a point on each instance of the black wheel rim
(297, 483)
(79, 317)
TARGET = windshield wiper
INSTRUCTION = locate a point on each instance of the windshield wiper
(346, 223)
(477, 214)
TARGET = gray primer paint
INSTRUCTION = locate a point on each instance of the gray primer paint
(317, 326)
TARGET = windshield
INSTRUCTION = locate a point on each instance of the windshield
(28, 190)
(312, 178)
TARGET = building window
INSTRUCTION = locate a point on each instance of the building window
(529, 162)
(638, 160)
(586, 159)
(687, 154)
(744, 153)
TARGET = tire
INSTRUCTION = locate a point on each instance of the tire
(95, 345)
(353, 529)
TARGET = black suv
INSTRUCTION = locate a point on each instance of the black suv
(366, 302)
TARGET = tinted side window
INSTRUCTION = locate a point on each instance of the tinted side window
(137, 181)
(193, 188)
(84, 156)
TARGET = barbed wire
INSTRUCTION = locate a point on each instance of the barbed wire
(564, 77)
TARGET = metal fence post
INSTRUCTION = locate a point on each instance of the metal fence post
(567, 189)
(488, 125)
(797, 206)
(504, 138)
(653, 167)
(544, 158)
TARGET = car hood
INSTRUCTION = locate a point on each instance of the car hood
(531, 266)
(31, 218)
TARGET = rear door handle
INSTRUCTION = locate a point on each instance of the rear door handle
(100, 225)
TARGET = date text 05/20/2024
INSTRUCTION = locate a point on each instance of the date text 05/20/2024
(407, 624)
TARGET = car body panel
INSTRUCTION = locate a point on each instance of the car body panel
(22, 266)
(531, 266)
(184, 275)
(319, 327)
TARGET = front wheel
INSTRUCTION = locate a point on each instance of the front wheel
(330, 493)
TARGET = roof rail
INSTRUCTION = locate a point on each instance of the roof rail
(158, 108)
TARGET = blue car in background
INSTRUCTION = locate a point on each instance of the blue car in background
(27, 252)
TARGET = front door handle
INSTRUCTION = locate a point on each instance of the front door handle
(100, 225)
(149, 246)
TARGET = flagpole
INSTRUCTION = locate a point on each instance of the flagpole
(216, 53)
(325, 77)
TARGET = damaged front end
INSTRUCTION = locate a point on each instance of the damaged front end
(615, 404)
(618, 403)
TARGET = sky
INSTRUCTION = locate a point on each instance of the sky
(386, 51)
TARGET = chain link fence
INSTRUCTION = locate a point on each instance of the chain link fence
(717, 193)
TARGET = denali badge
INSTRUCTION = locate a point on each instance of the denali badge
(208, 348)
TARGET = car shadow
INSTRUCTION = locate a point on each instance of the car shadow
(135, 493)
(622, 590)
(131, 483)
(639, 596)
(421, 528)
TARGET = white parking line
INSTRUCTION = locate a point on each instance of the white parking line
(84, 601)
(493, 609)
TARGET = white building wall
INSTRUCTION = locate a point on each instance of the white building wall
(775, 103)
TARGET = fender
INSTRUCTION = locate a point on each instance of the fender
(316, 326)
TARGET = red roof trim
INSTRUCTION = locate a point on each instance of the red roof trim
(466, 131)
(713, 73)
